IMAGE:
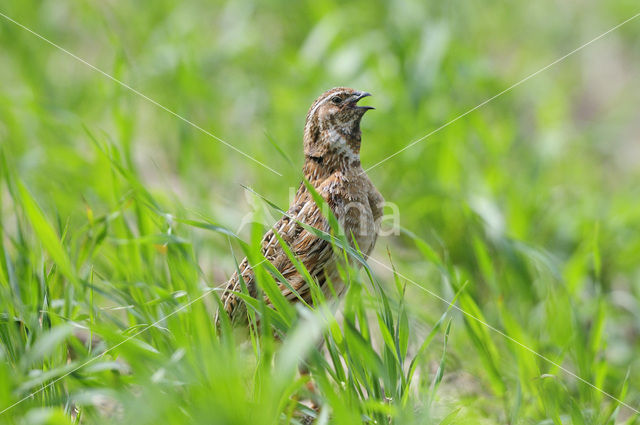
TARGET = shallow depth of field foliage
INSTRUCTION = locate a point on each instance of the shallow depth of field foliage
(115, 214)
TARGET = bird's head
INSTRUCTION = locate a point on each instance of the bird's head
(334, 119)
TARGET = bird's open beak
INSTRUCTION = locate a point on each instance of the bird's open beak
(356, 97)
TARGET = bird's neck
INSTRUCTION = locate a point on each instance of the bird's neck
(336, 151)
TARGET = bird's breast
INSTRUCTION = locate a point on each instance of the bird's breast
(356, 218)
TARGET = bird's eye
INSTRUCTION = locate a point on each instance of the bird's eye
(336, 100)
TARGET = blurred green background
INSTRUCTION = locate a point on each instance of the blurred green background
(532, 199)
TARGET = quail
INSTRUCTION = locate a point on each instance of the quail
(332, 139)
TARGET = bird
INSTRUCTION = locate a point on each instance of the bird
(331, 143)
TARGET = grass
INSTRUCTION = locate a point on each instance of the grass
(118, 220)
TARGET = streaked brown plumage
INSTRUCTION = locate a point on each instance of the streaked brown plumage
(332, 165)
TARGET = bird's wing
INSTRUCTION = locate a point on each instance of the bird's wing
(315, 253)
